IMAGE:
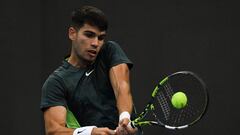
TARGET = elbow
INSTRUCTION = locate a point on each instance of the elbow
(52, 131)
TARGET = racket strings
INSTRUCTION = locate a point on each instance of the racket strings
(162, 101)
(179, 117)
(164, 111)
(176, 118)
(191, 111)
(184, 116)
(196, 95)
(168, 89)
(156, 117)
(169, 92)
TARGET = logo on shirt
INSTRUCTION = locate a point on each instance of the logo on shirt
(88, 73)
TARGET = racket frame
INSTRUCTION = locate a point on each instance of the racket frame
(138, 122)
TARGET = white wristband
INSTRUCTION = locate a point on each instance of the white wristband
(124, 115)
(87, 130)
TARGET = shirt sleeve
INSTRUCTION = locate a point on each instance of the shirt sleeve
(53, 93)
(114, 55)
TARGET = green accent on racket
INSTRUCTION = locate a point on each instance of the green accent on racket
(155, 91)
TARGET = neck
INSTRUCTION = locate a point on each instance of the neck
(77, 62)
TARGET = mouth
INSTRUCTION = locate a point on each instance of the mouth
(92, 53)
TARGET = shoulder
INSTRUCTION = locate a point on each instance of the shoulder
(53, 90)
(63, 71)
(112, 54)
(56, 77)
(53, 79)
(109, 48)
(111, 45)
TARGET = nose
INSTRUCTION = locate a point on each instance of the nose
(95, 42)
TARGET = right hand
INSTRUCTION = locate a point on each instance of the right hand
(125, 129)
(102, 131)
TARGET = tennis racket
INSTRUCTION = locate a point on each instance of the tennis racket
(161, 109)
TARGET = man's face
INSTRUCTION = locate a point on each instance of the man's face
(87, 41)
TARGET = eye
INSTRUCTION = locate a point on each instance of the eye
(89, 34)
(101, 37)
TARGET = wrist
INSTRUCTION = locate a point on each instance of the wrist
(124, 115)
(87, 130)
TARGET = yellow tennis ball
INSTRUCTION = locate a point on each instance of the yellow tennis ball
(179, 100)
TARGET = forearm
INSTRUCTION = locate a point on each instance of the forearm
(55, 119)
(86, 130)
(124, 98)
(119, 76)
(59, 131)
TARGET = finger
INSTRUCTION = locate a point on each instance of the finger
(109, 131)
(130, 125)
(124, 122)
(121, 131)
(131, 130)
(117, 131)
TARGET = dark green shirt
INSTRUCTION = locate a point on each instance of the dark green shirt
(86, 92)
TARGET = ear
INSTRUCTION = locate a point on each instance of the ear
(72, 33)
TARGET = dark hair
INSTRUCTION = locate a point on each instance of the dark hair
(90, 15)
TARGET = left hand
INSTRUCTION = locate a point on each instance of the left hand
(125, 129)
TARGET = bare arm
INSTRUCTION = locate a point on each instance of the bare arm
(55, 119)
(119, 76)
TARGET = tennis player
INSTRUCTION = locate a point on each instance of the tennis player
(92, 84)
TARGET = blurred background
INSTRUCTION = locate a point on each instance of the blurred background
(159, 36)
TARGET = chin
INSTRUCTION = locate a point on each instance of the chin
(90, 60)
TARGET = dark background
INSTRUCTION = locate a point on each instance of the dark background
(160, 37)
